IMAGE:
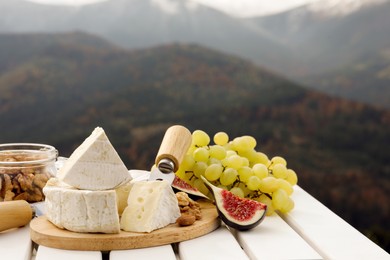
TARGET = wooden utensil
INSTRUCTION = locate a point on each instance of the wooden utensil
(15, 214)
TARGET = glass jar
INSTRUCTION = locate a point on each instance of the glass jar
(24, 170)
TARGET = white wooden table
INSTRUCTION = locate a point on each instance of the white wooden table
(310, 231)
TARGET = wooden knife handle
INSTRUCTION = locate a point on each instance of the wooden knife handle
(14, 214)
(174, 146)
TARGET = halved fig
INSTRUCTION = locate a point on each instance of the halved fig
(182, 185)
(236, 212)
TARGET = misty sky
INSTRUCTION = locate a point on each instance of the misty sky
(234, 7)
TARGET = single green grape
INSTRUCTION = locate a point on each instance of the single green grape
(279, 199)
(213, 172)
(288, 206)
(250, 141)
(291, 177)
(221, 138)
(188, 162)
(199, 169)
(233, 161)
(217, 152)
(278, 159)
(240, 144)
(260, 170)
(212, 160)
(244, 161)
(201, 154)
(268, 184)
(285, 185)
(253, 183)
(244, 173)
(200, 138)
(181, 173)
(228, 176)
(279, 171)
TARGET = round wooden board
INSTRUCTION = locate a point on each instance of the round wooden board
(44, 233)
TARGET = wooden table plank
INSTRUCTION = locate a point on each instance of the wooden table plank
(16, 244)
(274, 239)
(48, 253)
(158, 252)
(329, 234)
(219, 244)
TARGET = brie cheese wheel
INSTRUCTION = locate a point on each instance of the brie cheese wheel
(94, 165)
(81, 210)
(151, 205)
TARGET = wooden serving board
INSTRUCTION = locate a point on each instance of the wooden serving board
(44, 233)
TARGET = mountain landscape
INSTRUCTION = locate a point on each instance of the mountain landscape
(340, 51)
(59, 87)
(312, 44)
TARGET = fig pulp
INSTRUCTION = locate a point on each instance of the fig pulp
(236, 212)
(181, 185)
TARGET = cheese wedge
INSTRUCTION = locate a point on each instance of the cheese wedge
(151, 205)
(122, 194)
(94, 165)
(81, 210)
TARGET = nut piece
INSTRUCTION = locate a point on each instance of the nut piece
(186, 220)
(189, 209)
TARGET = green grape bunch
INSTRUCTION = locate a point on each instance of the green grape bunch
(237, 166)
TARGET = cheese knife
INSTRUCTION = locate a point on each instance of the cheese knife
(173, 148)
(17, 213)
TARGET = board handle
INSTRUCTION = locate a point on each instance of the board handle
(14, 214)
(174, 146)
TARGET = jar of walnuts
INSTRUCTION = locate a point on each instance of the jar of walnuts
(24, 170)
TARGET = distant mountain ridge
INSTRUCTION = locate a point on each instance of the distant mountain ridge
(314, 42)
(143, 23)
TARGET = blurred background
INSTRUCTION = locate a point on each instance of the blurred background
(310, 80)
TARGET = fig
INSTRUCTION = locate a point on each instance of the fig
(182, 185)
(238, 213)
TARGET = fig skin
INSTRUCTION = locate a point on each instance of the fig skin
(258, 209)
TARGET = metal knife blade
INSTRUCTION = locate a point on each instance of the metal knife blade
(173, 148)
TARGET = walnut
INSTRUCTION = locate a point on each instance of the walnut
(25, 181)
(34, 195)
(189, 209)
(40, 180)
(182, 199)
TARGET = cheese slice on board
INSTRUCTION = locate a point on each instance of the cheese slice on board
(81, 210)
(151, 205)
(94, 165)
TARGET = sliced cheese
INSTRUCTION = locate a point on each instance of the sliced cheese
(81, 210)
(94, 165)
(151, 205)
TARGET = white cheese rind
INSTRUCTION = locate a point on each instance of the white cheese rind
(81, 210)
(151, 205)
(94, 165)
